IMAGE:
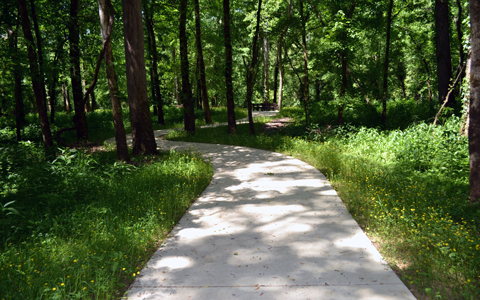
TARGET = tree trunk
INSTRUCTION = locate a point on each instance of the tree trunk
(66, 96)
(385, 67)
(461, 52)
(79, 119)
(203, 79)
(305, 65)
(36, 75)
(474, 127)
(279, 57)
(19, 107)
(444, 59)
(142, 131)
(38, 39)
(232, 126)
(187, 98)
(266, 79)
(155, 77)
(251, 69)
(120, 137)
(343, 89)
(275, 82)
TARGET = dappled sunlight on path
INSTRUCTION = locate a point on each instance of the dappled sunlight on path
(267, 227)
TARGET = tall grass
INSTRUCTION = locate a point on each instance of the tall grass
(82, 226)
(408, 189)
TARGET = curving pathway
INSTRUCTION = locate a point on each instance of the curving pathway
(267, 227)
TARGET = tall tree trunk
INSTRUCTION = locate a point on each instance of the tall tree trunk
(343, 89)
(203, 79)
(305, 65)
(279, 58)
(66, 96)
(36, 76)
(198, 90)
(79, 119)
(142, 131)
(266, 79)
(187, 98)
(232, 126)
(251, 69)
(461, 52)
(105, 11)
(385, 67)
(176, 87)
(38, 39)
(19, 107)
(444, 59)
(156, 77)
(474, 127)
(275, 82)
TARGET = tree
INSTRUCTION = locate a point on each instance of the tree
(155, 78)
(36, 75)
(201, 66)
(251, 69)
(187, 99)
(79, 119)
(232, 126)
(385, 68)
(106, 12)
(306, 93)
(142, 131)
(279, 57)
(444, 58)
(474, 127)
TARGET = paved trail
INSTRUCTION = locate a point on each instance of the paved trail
(267, 227)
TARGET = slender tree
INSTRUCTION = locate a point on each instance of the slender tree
(444, 58)
(142, 131)
(279, 57)
(474, 127)
(155, 76)
(385, 67)
(306, 97)
(106, 12)
(187, 98)
(79, 119)
(201, 66)
(35, 71)
(251, 69)
(232, 126)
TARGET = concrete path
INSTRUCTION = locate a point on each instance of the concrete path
(267, 227)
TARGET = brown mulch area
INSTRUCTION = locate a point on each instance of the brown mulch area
(276, 125)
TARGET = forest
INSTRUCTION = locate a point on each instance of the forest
(382, 95)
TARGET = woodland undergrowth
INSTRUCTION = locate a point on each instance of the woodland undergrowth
(81, 226)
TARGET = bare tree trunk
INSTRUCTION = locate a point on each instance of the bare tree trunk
(66, 96)
(36, 82)
(266, 79)
(79, 119)
(279, 57)
(203, 79)
(232, 126)
(251, 69)
(474, 127)
(155, 77)
(88, 108)
(385, 67)
(444, 59)
(142, 131)
(105, 11)
(187, 99)
(305, 65)
(461, 52)
(275, 82)
(19, 107)
(176, 87)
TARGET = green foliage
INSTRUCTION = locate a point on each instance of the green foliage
(82, 225)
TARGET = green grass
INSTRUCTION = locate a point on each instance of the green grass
(86, 224)
(408, 189)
